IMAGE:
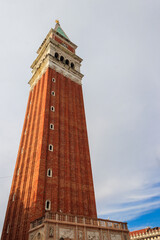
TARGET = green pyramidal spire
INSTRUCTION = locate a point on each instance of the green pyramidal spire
(60, 31)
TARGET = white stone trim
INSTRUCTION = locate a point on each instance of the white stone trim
(48, 208)
(8, 227)
(66, 72)
(52, 108)
(53, 93)
(49, 170)
(50, 147)
(47, 59)
(51, 126)
(13, 197)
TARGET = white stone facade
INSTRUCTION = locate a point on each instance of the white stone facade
(46, 58)
(64, 227)
(146, 234)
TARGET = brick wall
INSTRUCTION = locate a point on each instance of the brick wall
(70, 189)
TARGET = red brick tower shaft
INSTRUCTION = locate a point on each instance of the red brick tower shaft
(53, 168)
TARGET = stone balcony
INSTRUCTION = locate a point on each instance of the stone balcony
(71, 219)
(62, 226)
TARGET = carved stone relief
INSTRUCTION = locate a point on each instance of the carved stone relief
(36, 236)
(32, 236)
(115, 237)
(51, 232)
(66, 233)
(80, 235)
(105, 236)
(92, 235)
(39, 236)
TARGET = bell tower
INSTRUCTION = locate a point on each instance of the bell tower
(52, 194)
(53, 168)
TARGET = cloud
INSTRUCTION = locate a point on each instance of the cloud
(119, 42)
(126, 204)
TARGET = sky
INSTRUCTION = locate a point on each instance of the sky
(119, 42)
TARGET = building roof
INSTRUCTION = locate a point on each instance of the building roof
(60, 31)
(141, 231)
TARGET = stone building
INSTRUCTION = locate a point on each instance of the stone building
(145, 234)
(52, 194)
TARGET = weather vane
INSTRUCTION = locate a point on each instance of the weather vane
(57, 21)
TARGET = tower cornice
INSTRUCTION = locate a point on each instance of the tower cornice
(50, 40)
(49, 61)
(46, 58)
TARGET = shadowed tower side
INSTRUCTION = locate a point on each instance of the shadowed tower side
(53, 168)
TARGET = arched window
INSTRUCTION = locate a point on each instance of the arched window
(56, 55)
(13, 198)
(50, 147)
(51, 126)
(61, 58)
(72, 65)
(48, 205)
(67, 61)
(8, 228)
(52, 109)
(49, 172)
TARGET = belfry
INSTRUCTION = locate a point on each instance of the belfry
(52, 193)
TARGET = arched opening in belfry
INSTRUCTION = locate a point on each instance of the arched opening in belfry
(61, 58)
(56, 55)
(67, 62)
